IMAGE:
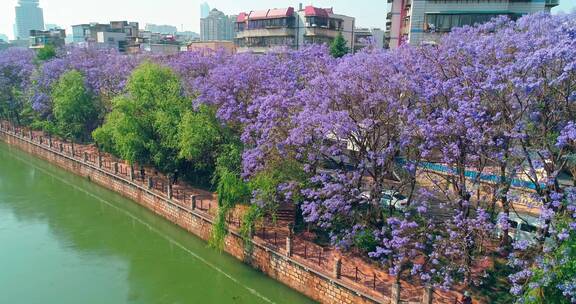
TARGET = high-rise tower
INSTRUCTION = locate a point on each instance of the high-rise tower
(204, 10)
(29, 16)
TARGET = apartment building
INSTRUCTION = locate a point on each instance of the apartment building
(217, 27)
(259, 31)
(366, 36)
(121, 35)
(54, 37)
(424, 21)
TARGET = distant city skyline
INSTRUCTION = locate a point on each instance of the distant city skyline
(186, 15)
(28, 16)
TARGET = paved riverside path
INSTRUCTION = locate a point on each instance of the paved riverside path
(356, 273)
(67, 240)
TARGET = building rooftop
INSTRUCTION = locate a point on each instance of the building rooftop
(311, 11)
(241, 17)
(280, 12)
(266, 14)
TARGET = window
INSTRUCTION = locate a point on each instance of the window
(316, 21)
(399, 197)
(269, 41)
(445, 22)
(528, 228)
(270, 23)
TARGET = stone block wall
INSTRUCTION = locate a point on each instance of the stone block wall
(274, 263)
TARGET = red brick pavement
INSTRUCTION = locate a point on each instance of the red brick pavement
(356, 272)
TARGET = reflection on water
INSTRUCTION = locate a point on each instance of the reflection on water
(66, 240)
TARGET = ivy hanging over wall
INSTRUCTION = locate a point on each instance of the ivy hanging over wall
(231, 190)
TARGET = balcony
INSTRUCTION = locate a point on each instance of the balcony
(266, 32)
(321, 31)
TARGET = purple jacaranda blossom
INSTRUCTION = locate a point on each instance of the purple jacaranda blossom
(16, 68)
(105, 72)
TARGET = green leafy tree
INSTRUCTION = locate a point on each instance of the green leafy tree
(143, 126)
(556, 282)
(46, 53)
(339, 47)
(201, 140)
(75, 113)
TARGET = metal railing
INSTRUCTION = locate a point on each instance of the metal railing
(313, 256)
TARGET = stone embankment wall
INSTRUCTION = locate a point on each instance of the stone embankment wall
(276, 263)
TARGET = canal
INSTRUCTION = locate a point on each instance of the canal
(66, 240)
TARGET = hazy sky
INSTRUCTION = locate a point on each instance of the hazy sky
(186, 13)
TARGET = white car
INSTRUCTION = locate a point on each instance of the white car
(394, 198)
(523, 227)
(390, 197)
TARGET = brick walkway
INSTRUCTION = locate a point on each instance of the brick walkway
(355, 272)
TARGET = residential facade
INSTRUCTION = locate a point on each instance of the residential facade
(259, 31)
(161, 48)
(217, 26)
(29, 16)
(424, 21)
(121, 35)
(157, 43)
(54, 37)
(365, 36)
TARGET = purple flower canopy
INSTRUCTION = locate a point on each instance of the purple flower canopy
(495, 98)
(486, 97)
(105, 72)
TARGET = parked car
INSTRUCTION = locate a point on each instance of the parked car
(394, 198)
(390, 197)
(522, 227)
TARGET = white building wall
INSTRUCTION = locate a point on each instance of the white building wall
(347, 28)
(110, 39)
(421, 7)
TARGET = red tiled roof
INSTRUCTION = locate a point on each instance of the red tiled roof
(271, 13)
(241, 17)
(258, 14)
(280, 12)
(311, 11)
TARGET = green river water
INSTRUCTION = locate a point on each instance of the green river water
(66, 240)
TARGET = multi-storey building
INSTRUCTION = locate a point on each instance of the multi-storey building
(157, 43)
(217, 26)
(424, 21)
(29, 16)
(258, 31)
(121, 35)
(365, 36)
(54, 37)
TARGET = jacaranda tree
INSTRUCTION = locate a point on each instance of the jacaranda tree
(417, 158)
